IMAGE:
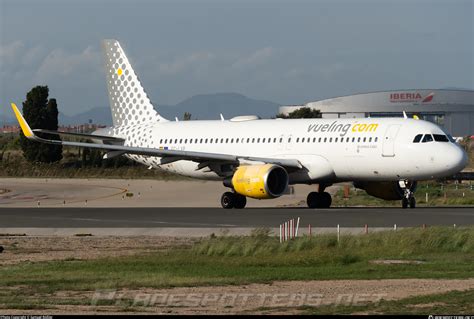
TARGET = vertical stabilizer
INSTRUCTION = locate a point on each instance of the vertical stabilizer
(128, 100)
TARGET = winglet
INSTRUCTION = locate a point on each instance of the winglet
(21, 120)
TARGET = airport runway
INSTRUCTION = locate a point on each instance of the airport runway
(216, 217)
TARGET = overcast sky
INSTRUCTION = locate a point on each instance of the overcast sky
(288, 52)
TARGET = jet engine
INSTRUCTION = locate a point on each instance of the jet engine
(384, 190)
(259, 181)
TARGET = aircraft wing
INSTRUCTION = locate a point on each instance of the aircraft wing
(167, 156)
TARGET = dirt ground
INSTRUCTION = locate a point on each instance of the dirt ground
(18, 249)
(275, 298)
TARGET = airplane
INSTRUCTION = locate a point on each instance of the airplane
(260, 158)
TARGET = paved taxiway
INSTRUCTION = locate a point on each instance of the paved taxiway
(127, 217)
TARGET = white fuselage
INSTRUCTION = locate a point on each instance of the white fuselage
(331, 150)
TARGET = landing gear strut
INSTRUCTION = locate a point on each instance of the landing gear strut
(233, 200)
(320, 199)
(408, 199)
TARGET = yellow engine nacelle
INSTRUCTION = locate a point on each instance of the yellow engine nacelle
(260, 181)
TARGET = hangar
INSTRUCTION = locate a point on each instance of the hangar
(451, 109)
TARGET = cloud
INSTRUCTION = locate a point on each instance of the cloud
(258, 57)
(61, 63)
(185, 64)
(10, 51)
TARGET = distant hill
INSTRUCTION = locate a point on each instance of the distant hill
(202, 107)
(99, 115)
(209, 106)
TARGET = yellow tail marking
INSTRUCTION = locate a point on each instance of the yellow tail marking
(24, 126)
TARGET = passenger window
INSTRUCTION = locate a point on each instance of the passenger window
(161, 141)
(325, 139)
(319, 140)
(335, 140)
(417, 138)
(227, 140)
(210, 141)
(274, 140)
(427, 138)
(232, 140)
(330, 140)
(364, 139)
(289, 139)
(281, 140)
(353, 139)
(176, 141)
(440, 138)
(248, 139)
(253, 140)
(205, 141)
(347, 139)
(358, 140)
(258, 139)
(376, 139)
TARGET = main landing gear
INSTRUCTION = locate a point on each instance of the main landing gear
(320, 199)
(408, 199)
(233, 200)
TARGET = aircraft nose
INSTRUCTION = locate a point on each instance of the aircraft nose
(458, 159)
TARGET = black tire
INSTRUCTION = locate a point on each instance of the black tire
(313, 200)
(404, 202)
(326, 200)
(412, 202)
(228, 200)
(239, 201)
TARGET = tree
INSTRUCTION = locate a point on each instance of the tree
(40, 113)
(302, 113)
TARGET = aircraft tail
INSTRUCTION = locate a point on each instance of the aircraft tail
(128, 100)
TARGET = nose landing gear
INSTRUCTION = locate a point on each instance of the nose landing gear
(408, 199)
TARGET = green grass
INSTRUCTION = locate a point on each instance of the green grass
(229, 260)
(453, 302)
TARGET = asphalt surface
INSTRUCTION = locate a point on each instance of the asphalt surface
(215, 217)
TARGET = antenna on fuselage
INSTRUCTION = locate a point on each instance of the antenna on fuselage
(176, 118)
(405, 115)
(222, 117)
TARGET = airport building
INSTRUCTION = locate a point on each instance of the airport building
(451, 109)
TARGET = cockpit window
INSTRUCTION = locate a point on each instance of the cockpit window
(417, 138)
(427, 138)
(451, 139)
(440, 138)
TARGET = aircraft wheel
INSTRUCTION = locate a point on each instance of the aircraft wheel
(239, 201)
(313, 200)
(412, 202)
(404, 202)
(228, 200)
(326, 200)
